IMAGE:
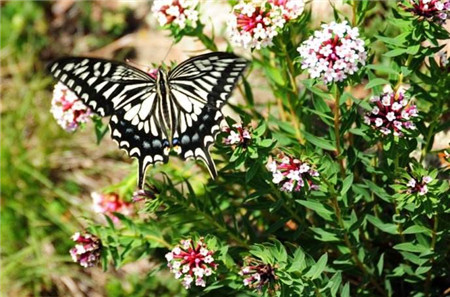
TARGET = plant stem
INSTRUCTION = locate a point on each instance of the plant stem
(349, 245)
(295, 120)
(399, 226)
(361, 265)
(433, 245)
(337, 124)
(354, 4)
(150, 238)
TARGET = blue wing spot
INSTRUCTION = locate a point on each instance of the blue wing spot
(175, 141)
(156, 143)
(185, 139)
(166, 143)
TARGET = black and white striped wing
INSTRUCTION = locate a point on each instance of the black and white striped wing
(124, 92)
(200, 86)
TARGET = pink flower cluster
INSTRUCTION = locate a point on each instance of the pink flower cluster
(109, 203)
(254, 23)
(416, 186)
(87, 249)
(432, 10)
(391, 114)
(292, 174)
(68, 110)
(191, 262)
(257, 274)
(238, 135)
(333, 53)
(179, 13)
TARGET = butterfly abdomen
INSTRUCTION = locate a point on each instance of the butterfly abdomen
(167, 115)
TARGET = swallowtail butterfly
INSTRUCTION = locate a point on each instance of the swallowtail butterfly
(179, 109)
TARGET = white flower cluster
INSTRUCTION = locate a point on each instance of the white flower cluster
(391, 113)
(414, 186)
(433, 10)
(254, 23)
(68, 110)
(333, 53)
(291, 174)
(180, 13)
(237, 135)
(191, 263)
(87, 249)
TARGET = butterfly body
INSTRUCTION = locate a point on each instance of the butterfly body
(177, 110)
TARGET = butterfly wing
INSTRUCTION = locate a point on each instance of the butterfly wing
(124, 92)
(200, 86)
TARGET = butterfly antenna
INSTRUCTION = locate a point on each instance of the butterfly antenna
(137, 65)
(168, 51)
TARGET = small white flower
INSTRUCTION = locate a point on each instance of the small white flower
(277, 177)
(294, 175)
(386, 100)
(208, 259)
(423, 190)
(411, 183)
(390, 116)
(185, 268)
(378, 122)
(396, 106)
(427, 179)
(176, 250)
(169, 256)
(208, 271)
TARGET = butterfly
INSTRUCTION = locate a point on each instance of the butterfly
(150, 115)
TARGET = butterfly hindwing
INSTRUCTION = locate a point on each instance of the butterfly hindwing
(137, 143)
(200, 86)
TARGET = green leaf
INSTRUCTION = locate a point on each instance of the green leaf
(318, 208)
(417, 229)
(248, 92)
(298, 261)
(347, 183)
(410, 247)
(346, 290)
(319, 142)
(325, 236)
(380, 265)
(335, 283)
(395, 52)
(382, 68)
(386, 227)
(412, 50)
(100, 128)
(317, 268)
(376, 82)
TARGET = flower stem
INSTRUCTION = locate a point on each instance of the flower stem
(433, 245)
(353, 252)
(295, 119)
(149, 238)
(354, 4)
(337, 124)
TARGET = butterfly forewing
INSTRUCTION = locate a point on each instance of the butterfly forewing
(200, 86)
